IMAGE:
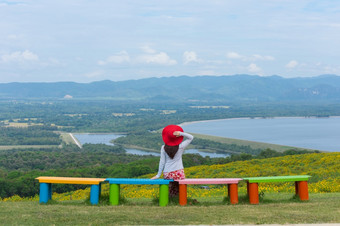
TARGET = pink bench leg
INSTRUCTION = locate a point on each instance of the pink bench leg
(183, 194)
(233, 193)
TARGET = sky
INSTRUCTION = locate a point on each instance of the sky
(86, 41)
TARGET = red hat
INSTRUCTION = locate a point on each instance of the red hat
(169, 138)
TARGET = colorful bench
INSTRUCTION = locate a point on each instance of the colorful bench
(301, 187)
(116, 182)
(232, 187)
(46, 186)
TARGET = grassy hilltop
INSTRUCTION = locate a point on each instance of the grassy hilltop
(277, 204)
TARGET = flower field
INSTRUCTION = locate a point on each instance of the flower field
(323, 167)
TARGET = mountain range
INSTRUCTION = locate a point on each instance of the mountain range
(185, 88)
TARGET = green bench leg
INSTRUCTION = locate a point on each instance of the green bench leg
(114, 194)
(163, 194)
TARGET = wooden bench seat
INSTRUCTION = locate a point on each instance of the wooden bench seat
(116, 182)
(46, 186)
(301, 187)
(231, 182)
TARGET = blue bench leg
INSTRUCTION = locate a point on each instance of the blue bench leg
(94, 194)
(45, 192)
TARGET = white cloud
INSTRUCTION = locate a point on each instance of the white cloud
(292, 64)
(254, 68)
(148, 49)
(152, 57)
(234, 55)
(25, 56)
(259, 57)
(254, 57)
(190, 56)
(119, 58)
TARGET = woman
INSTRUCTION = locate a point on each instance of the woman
(171, 163)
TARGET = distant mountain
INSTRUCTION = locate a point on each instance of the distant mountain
(185, 88)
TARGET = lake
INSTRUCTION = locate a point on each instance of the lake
(104, 138)
(312, 133)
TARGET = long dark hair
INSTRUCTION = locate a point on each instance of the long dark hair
(171, 150)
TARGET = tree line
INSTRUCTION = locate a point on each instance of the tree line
(33, 135)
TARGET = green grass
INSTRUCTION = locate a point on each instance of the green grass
(273, 209)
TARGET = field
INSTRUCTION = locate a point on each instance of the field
(275, 209)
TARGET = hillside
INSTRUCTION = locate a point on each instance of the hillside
(323, 167)
(185, 88)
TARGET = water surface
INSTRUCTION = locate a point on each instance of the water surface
(99, 138)
(312, 133)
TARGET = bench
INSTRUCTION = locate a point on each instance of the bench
(301, 187)
(232, 187)
(116, 182)
(46, 186)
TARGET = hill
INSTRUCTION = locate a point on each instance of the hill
(277, 206)
(185, 88)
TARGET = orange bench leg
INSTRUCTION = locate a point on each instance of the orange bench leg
(253, 193)
(183, 194)
(233, 193)
(303, 190)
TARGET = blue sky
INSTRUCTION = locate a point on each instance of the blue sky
(85, 41)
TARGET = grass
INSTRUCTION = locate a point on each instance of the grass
(275, 208)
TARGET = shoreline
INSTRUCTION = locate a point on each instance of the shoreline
(274, 117)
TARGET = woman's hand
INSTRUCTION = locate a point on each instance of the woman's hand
(155, 177)
(177, 133)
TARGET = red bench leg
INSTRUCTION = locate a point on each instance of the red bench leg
(183, 194)
(253, 193)
(233, 193)
(303, 190)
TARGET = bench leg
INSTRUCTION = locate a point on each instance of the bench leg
(253, 193)
(183, 194)
(45, 192)
(233, 193)
(114, 194)
(94, 194)
(163, 194)
(303, 190)
(296, 188)
(248, 188)
(49, 191)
